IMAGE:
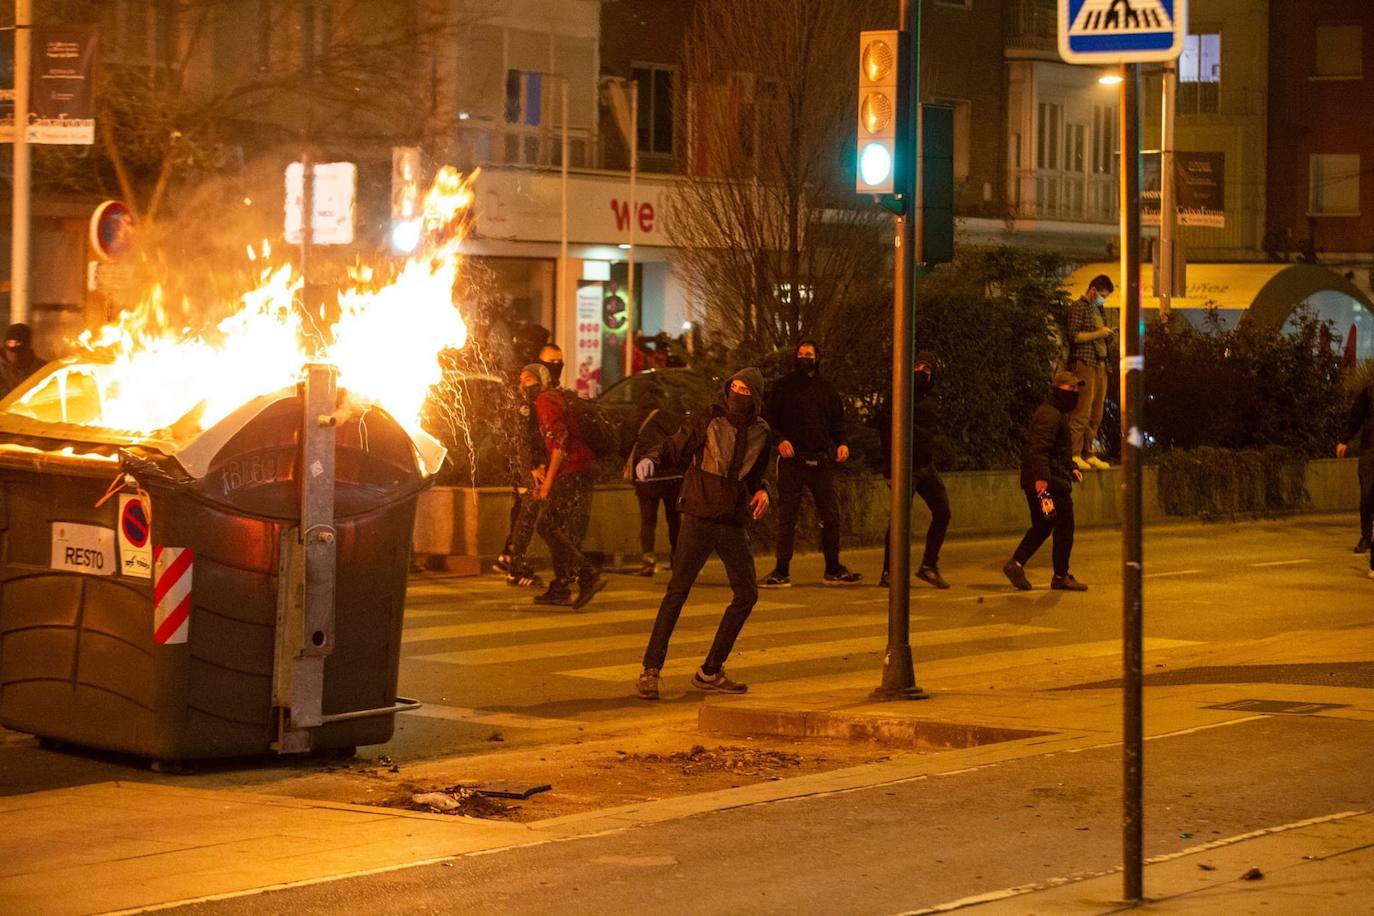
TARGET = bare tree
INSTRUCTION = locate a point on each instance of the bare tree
(770, 233)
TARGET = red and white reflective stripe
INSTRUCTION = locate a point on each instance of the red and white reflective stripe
(171, 594)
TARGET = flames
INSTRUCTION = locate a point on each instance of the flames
(142, 374)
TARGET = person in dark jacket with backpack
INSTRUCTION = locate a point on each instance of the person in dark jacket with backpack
(564, 485)
(725, 454)
(663, 487)
(925, 480)
(1047, 477)
(806, 414)
(1359, 431)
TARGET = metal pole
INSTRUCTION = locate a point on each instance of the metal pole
(1132, 384)
(1168, 204)
(634, 217)
(899, 677)
(19, 231)
(318, 542)
(307, 217)
(564, 281)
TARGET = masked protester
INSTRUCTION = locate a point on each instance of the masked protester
(1088, 357)
(725, 454)
(925, 480)
(564, 485)
(524, 513)
(551, 358)
(1359, 431)
(1047, 477)
(20, 361)
(806, 414)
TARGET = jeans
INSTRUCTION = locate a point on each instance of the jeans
(818, 476)
(697, 539)
(563, 525)
(1061, 525)
(650, 493)
(931, 489)
(1087, 416)
(524, 518)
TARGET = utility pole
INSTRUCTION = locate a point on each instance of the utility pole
(1168, 203)
(630, 312)
(19, 225)
(899, 677)
(1132, 559)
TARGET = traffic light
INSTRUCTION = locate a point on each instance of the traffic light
(880, 117)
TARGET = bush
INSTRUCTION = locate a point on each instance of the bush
(1214, 483)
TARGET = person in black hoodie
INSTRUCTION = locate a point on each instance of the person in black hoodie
(1047, 477)
(725, 454)
(1359, 431)
(807, 416)
(19, 361)
(925, 480)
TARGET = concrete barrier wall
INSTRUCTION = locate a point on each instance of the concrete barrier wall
(464, 521)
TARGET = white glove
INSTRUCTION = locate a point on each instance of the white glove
(645, 469)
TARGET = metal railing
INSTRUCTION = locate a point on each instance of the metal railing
(1031, 25)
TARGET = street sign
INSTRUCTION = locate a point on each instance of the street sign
(334, 194)
(111, 230)
(1121, 31)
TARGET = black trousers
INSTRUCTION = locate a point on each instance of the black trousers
(697, 539)
(1061, 526)
(524, 517)
(563, 525)
(650, 493)
(818, 476)
(931, 489)
(1367, 498)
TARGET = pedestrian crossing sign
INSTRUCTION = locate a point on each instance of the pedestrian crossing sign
(1121, 31)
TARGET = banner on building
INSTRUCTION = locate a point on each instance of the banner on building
(1199, 189)
(61, 88)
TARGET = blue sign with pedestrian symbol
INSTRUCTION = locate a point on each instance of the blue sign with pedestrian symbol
(1121, 31)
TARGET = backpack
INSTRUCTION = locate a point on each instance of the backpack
(594, 425)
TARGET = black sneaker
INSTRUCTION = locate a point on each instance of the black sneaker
(1362, 546)
(558, 593)
(1067, 584)
(523, 578)
(776, 579)
(502, 564)
(841, 576)
(717, 682)
(586, 588)
(1016, 574)
(648, 565)
(647, 685)
(932, 575)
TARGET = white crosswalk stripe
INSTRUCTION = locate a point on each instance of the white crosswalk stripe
(1121, 17)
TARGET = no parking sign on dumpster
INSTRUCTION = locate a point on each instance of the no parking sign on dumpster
(135, 553)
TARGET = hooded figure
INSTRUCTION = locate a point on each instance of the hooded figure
(1047, 477)
(20, 361)
(725, 452)
(1359, 433)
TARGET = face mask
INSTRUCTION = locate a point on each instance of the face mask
(529, 392)
(1099, 301)
(807, 365)
(1065, 400)
(739, 405)
(922, 382)
(555, 368)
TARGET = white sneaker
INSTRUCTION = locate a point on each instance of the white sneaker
(1081, 464)
(1098, 463)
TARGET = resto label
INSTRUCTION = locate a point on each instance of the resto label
(88, 549)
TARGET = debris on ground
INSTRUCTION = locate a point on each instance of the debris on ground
(1205, 867)
(461, 800)
(1253, 874)
(741, 761)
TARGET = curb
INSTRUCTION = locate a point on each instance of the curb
(733, 719)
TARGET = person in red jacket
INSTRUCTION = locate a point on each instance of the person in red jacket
(564, 484)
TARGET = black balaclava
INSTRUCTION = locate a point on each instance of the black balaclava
(555, 367)
(924, 382)
(741, 408)
(804, 364)
(1064, 399)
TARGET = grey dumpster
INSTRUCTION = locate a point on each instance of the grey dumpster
(222, 593)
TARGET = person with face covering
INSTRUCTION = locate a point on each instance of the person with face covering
(563, 484)
(1047, 477)
(724, 451)
(1089, 356)
(925, 480)
(1359, 432)
(807, 416)
(20, 361)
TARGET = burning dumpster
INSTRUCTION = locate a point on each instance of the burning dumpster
(206, 534)
(220, 595)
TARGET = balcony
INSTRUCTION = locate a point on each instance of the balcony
(1054, 194)
(1031, 28)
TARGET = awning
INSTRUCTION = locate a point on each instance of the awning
(1269, 292)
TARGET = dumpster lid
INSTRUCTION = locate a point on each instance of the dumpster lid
(53, 410)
